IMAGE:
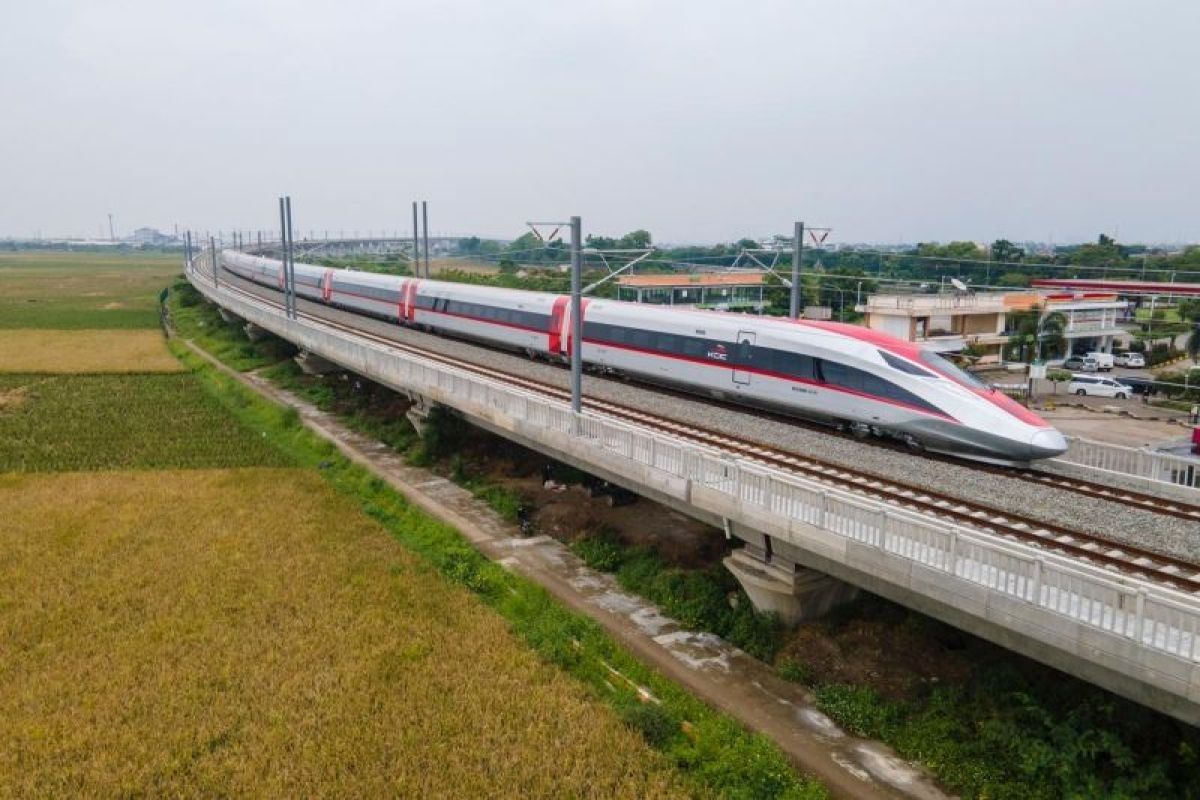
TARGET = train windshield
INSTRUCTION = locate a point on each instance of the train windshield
(947, 367)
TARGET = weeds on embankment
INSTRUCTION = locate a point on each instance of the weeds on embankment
(1012, 729)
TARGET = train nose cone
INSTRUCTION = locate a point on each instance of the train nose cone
(1047, 444)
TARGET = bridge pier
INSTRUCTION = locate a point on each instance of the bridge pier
(255, 333)
(313, 364)
(418, 412)
(228, 316)
(795, 593)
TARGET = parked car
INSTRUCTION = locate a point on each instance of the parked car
(1140, 385)
(1136, 360)
(1096, 386)
(1081, 364)
(1104, 361)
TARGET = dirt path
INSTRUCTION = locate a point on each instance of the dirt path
(710, 668)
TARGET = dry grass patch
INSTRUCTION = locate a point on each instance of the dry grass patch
(249, 632)
(83, 351)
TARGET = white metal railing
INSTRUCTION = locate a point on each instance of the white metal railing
(1135, 610)
(1134, 461)
(981, 303)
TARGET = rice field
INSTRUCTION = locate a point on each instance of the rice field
(91, 422)
(249, 632)
(85, 351)
(74, 291)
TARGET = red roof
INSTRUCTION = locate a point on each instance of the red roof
(1122, 287)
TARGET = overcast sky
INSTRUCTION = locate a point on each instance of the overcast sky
(700, 121)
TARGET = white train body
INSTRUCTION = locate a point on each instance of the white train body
(824, 370)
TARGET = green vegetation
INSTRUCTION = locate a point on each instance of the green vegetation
(194, 318)
(699, 599)
(91, 422)
(1013, 733)
(1011, 729)
(710, 749)
(75, 291)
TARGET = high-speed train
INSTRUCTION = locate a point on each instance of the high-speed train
(844, 374)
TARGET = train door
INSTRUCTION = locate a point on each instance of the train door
(558, 318)
(743, 357)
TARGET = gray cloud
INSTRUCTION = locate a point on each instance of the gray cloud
(699, 120)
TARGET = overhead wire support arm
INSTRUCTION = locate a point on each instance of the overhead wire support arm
(611, 272)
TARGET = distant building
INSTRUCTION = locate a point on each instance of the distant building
(152, 237)
(722, 290)
(949, 323)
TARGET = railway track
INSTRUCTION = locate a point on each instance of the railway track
(1122, 557)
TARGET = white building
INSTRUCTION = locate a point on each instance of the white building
(987, 321)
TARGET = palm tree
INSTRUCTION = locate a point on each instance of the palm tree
(1050, 332)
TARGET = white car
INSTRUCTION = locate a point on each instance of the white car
(1136, 360)
(1094, 385)
(1104, 361)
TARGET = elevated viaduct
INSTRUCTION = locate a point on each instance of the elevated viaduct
(806, 544)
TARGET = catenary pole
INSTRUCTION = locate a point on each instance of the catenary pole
(425, 233)
(283, 254)
(212, 254)
(797, 255)
(291, 256)
(576, 315)
(416, 245)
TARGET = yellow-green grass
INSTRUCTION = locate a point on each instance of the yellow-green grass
(85, 351)
(86, 422)
(72, 291)
(249, 632)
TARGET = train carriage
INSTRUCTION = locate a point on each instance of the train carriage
(825, 370)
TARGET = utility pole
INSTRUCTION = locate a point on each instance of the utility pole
(576, 315)
(797, 254)
(425, 229)
(416, 259)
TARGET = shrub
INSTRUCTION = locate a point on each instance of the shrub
(796, 672)
(651, 720)
(601, 551)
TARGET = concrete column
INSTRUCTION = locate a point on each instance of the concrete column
(255, 333)
(228, 316)
(418, 413)
(795, 593)
(313, 364)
